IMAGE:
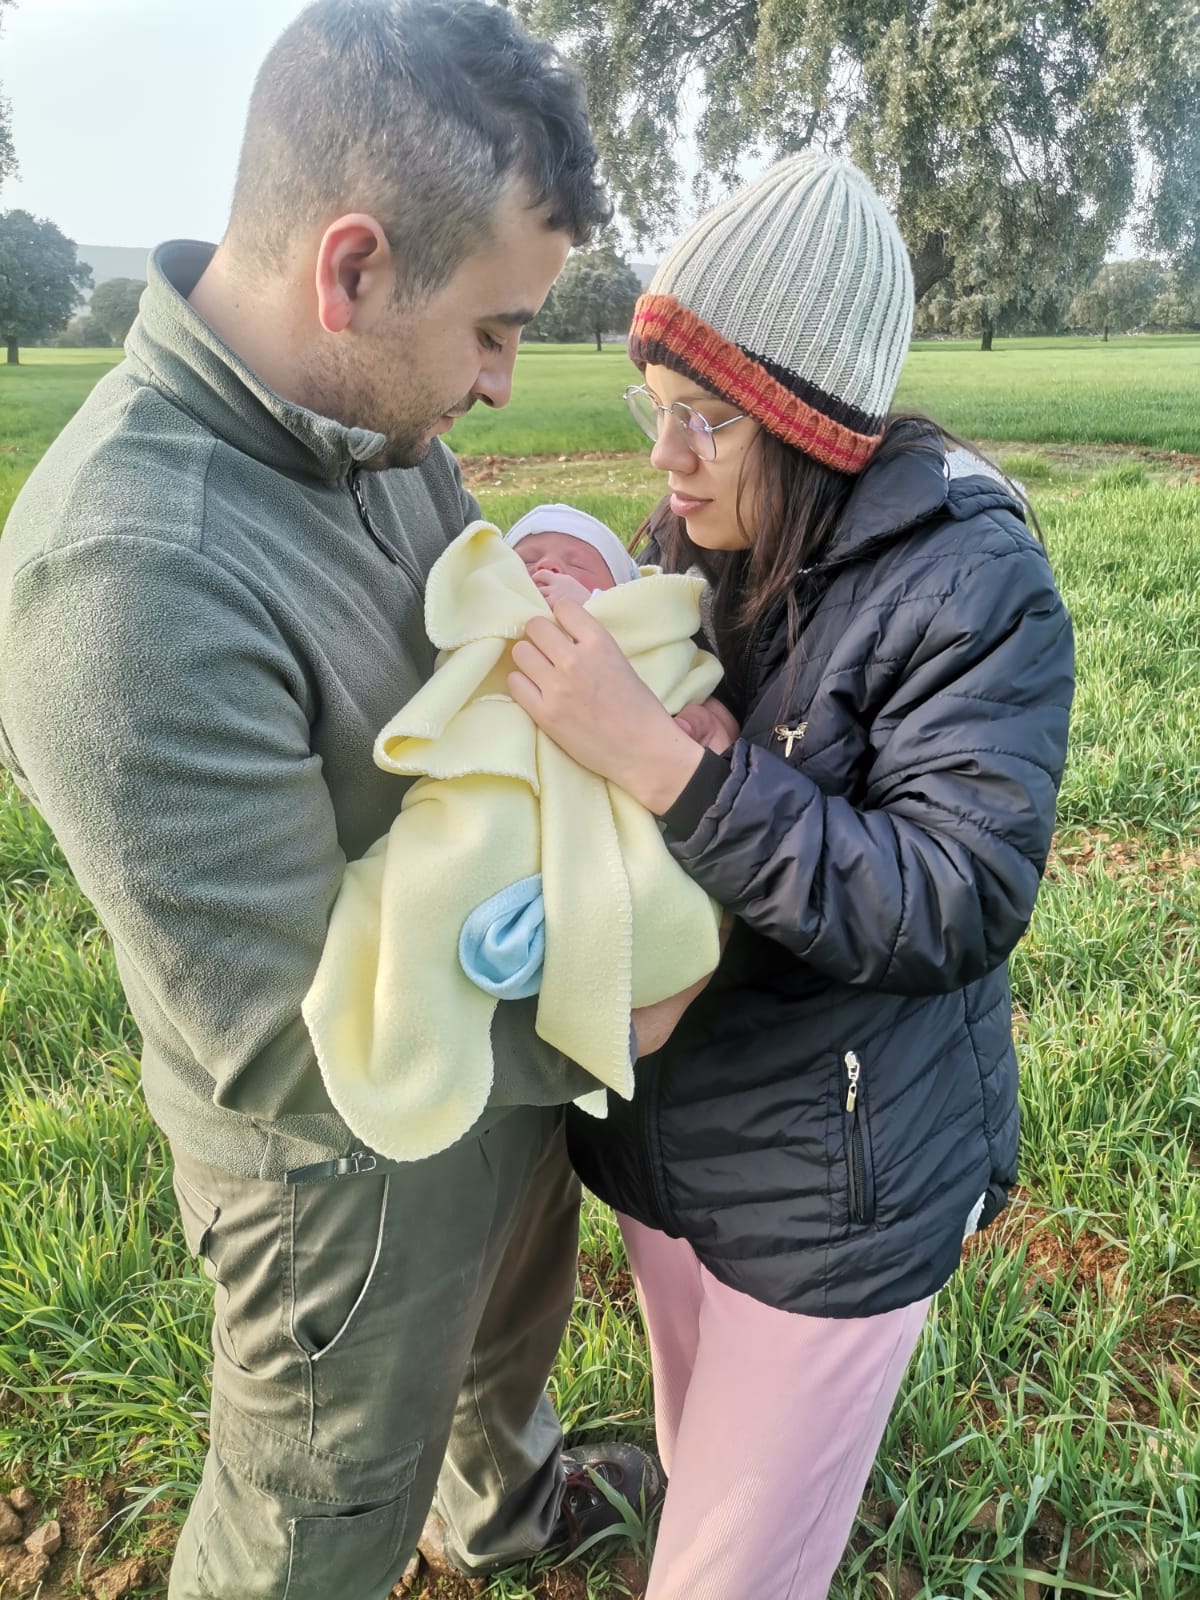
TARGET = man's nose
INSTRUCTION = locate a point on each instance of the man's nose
(494, 384)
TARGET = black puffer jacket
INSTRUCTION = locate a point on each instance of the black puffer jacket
(829, 1114)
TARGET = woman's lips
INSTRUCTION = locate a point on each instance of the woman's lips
(682, 505)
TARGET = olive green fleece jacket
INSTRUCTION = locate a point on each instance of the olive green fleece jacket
(206, 616)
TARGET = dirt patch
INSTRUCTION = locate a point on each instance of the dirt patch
(1051, 1257)
(558, 1583)
(58, 1550)
(1117, 857)
(1089, 458)
(602, 1282)
(487, 466)
(1075, 459)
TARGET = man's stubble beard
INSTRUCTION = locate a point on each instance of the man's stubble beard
(358, 400)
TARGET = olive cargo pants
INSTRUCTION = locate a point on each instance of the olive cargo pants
(375, 1338)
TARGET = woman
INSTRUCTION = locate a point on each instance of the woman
(803, 1157)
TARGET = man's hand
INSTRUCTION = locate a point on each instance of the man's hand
(654, 1025)
(709, 723)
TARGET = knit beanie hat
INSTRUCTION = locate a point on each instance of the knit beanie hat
(551, 518)
(792, 300)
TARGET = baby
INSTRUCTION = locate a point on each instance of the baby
(569, 554)
(479, 891)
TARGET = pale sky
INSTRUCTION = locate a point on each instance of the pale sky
(127, 114)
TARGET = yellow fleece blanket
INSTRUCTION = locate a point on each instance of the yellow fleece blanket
(401, 1034)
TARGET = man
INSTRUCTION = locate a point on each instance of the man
(210, 602)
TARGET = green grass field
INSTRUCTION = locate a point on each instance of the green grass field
(567, 398)
(1047, 1441)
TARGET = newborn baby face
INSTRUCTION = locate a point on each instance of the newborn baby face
(566, 555)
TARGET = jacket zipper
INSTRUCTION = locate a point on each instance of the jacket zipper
(648, 1133)
(862, 1200)
(754, 679)
(394, 556)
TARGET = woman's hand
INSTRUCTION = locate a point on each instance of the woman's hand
(577, 686)
(709, 723)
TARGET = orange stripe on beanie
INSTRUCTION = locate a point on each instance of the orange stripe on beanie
(663, 329)
(793, 300)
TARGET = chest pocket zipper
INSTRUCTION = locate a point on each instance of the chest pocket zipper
(857, 1141)
(394, 556)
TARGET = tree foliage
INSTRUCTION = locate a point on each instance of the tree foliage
(1121, 297)
(115, 304)
(83, 333)
(594, 295)
(1178, 306)
(40, 279)
(981, 121)
(8, 156)
(1005, 280)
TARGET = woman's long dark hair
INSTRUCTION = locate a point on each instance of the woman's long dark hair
(794, 504)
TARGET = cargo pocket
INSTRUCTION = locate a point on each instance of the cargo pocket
(198, 1216)
(359, 1554)
(309, 1524)
(335, 1241)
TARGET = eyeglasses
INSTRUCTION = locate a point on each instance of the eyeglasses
(697, 431)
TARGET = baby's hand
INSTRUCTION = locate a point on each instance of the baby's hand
(554, 587)
(709, 723)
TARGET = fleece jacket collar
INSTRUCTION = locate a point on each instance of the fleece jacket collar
(181, 355)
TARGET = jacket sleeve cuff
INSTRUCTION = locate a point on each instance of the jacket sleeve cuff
(702, 788)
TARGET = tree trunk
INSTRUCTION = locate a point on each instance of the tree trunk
(1105, 340)
(14, 355)
(931, 262)
(599, 346)
(986, 342)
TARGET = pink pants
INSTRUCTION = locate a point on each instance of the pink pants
(768, 1423)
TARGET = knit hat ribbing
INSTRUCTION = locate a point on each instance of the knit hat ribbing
(793, 300)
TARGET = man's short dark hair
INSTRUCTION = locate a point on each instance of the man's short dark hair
(418, 112)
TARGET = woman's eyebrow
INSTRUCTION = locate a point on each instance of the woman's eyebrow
(696, 399)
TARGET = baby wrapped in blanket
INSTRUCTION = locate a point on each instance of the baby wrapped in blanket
(509, 869)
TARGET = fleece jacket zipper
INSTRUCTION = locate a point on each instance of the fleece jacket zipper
(394, 556)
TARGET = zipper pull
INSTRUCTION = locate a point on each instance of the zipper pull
(356, 491)
(853, 1070)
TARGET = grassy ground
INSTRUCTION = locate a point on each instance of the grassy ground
(1046, 1442)
(568, 397)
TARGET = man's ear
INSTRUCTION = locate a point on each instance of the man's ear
(355, 271)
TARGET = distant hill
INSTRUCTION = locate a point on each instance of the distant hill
(112, 261)
(645, 271)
